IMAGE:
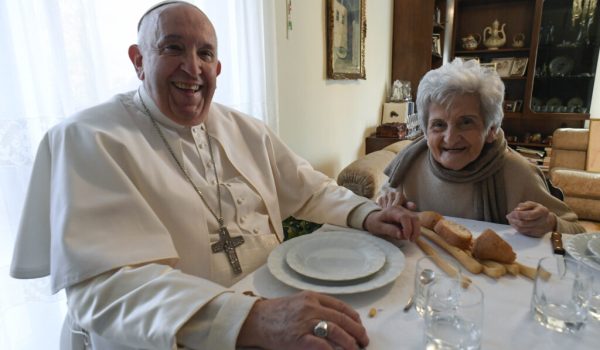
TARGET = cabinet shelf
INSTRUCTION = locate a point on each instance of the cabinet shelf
(547, 38)
(488, 51)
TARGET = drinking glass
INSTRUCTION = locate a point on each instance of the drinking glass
(561, 294)
(453, 316)
(426, 266)
(593, 264)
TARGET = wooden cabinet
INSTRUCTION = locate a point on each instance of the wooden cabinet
(374, 143)
(538, 99)
(415, 23)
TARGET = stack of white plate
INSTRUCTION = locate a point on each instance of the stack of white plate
(585, 247)
(336, 262)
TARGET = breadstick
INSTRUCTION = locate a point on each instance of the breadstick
(527, 271)
(463, 258)
(493, 269)
(512, 269)
(443, 265)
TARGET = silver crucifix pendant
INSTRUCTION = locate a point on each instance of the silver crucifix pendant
(228, 244)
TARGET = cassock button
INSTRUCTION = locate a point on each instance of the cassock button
(239, 201)
(213, 182)
(255, 230)
(243, 219)
(201, 145)
(228, 185)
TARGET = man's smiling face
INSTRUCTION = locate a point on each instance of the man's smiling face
(177, 61)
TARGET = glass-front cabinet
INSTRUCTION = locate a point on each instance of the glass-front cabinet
(567, 54)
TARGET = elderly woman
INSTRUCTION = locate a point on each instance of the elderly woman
(462, 166)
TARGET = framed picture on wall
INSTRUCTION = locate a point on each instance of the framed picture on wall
(346, 28)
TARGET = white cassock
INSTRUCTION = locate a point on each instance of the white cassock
(111, 218)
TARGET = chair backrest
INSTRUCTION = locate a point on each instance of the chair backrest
(569, 148)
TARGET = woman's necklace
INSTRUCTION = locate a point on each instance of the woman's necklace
(226, 243)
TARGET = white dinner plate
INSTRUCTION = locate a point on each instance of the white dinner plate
(335, 257)
(577, 247)
(393, 266)
(593, 246)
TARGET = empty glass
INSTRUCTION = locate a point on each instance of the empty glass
(561, 294)
(593, 264)
(426, 272)
(453, 316)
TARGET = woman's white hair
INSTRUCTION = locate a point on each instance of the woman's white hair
(457, 78)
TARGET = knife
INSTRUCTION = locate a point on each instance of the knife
(557, 245)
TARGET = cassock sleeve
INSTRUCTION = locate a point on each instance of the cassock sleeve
(309, 194)
(156, 307)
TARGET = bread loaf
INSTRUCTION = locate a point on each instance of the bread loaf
(453, 233)
(490, 246)
(429, 219)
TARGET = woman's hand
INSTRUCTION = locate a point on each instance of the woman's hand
(397, 199)
(288, 322)
(395, 222)
(532, 219)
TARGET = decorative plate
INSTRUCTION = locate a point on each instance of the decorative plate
(577, 247)
(554, 102)
(393, 266)
(561, 65)
(575, 102)
(329, 258)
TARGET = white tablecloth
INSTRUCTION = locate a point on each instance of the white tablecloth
(508, 322)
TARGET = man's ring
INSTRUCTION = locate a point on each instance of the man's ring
(320, 329)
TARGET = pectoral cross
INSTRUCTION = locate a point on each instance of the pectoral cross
(228, 244)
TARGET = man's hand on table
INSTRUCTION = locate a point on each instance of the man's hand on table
(397, 219)
(532, 219)
(288, 322)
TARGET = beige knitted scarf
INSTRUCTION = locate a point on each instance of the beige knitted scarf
(485, 172)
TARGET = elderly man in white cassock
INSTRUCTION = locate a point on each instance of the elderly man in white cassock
(146, 208)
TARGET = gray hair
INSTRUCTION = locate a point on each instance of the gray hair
(152, 12)
(457, 78)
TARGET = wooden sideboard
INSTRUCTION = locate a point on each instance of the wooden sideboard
(374, 143)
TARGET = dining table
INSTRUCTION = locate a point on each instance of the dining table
(508, 320)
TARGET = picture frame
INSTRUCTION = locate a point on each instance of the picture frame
(346, 31)
(436, 47)
(508, 105)
(488, 65)
(503, 66)
(468, 58)
(519, 66)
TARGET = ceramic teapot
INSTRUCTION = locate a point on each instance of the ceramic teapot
(494, 36)
(518, 40)
(470, 41)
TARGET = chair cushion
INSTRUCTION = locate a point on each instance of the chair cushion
(571, 139)
(398, 146)
(585, 208)
(576, 183)
(365, 175)
(568, 159)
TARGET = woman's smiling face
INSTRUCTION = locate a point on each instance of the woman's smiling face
(456, 135)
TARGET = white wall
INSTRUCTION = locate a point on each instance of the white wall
(326, 121)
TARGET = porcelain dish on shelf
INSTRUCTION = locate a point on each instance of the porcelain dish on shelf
(575, 102)
(554, 102)
(577, 247)
(335, 257)
(561, 65)
(391, 269)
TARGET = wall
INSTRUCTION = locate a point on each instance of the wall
(326, 121)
